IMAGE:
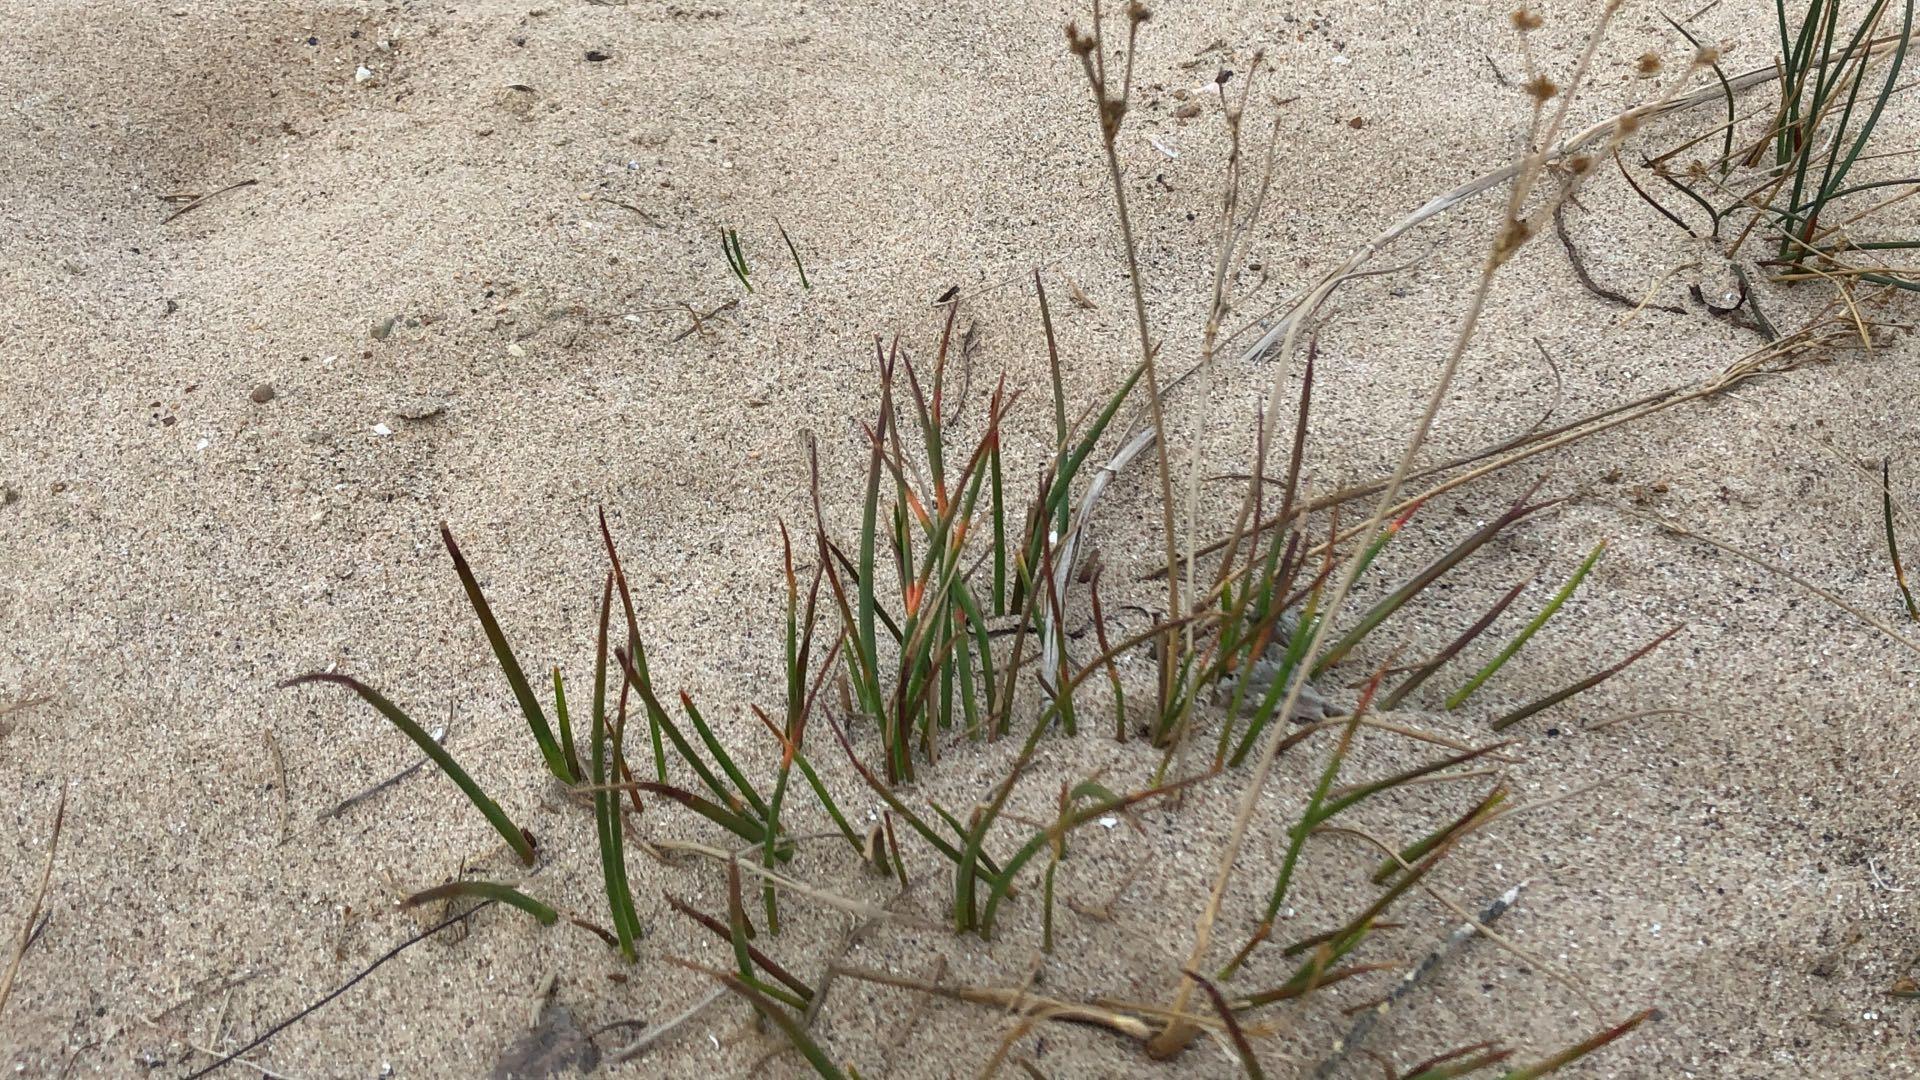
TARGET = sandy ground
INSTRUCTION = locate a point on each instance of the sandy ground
(169, 548)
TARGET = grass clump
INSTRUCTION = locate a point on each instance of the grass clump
(944, 621)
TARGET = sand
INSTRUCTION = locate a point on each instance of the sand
(454, 210)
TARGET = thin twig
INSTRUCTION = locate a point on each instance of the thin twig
(639, 1046)
(27, 931)
(280, 781)
(254, 1065)
(1775, 568)
(1586, 277)
(202, 200)
(354, 800)
(1463, 933)
(699, 320)
(343, 987)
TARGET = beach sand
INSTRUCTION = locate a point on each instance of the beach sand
(463, 264)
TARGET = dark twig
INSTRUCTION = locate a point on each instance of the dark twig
(202, 200)
(1646, 198)
(699, 320)
(1586, 279)
(342, 988)
(644, 216)
(27, 928)
(354, 800)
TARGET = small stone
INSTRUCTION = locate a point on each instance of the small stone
(1187, 111)
(262, 394)
(362, 73)
(425, 408)
(383, 328)
(382, 430)
(595, 56)
(516, 351)
(9, 496)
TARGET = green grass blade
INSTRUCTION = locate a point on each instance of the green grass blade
(641, 683)
(720, 756)
(1583, 685)
(634, 648)
(1453, 648)
(736, 259)
(1427, 576)
(515, 837)
(795, 252)
(1059, 395)
(1460, 696)
(780, 1018)
(485, 890)
(719, 815)
(566, 724)
(1575, 1053)
(1419, 849)
(606, 804)
(502, 652)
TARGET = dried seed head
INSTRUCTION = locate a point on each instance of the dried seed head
(1541, 88)
(1579, 164)
(1513, 234)
(1707, 55)
(1081, 44)
(1525, 19)
(1648, 65)
(1138, 12)
(1627, 125)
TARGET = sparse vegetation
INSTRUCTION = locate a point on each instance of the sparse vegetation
(945, 621)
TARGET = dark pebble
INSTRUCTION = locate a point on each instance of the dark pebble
(595, 56)
(262, 394)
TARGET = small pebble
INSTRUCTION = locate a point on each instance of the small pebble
(362, 73)
(382, 430)
(1187, 111)
(262, 394)
(595, 56)
(383, 328)
(516, 350)
(422, 409)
